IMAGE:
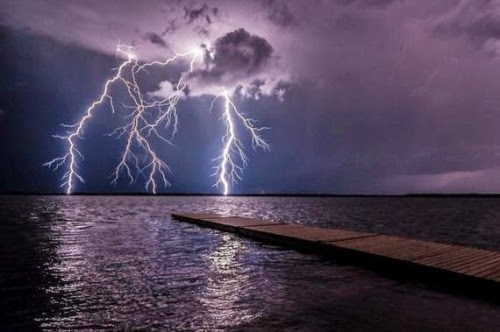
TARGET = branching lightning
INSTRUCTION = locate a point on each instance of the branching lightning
(73, 153)
(147, 118)
(137, 131)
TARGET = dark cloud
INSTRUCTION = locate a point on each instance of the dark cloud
(171, 27)
(260, 87)
(238, 62)
(382, 89)
(156, 39)
(204, 12)
(280, 13)
(478, 21)
(378, 3)
(236, 53)
(200, 17)
(367, 3)
(202, 31)
(463, 158)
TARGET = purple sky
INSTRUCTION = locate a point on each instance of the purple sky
(381, 96)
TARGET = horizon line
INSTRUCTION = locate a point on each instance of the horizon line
(27, 193)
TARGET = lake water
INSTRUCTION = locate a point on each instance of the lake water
(117, 262)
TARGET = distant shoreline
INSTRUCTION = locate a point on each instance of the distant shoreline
(411, 195)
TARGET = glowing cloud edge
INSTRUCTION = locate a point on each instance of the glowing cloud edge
(230, 163)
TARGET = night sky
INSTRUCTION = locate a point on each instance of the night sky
(362, 96)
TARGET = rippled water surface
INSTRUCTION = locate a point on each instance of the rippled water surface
(117, 262)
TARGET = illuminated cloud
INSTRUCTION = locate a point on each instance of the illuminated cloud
(377, 84)
(280, 13)
(478, 21)
(237, 61)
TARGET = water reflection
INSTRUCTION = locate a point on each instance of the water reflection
(121, 263)
(71, 260)
(27, 248)
(226, 206)
(227, 281)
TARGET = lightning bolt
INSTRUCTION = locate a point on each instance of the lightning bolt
(232, 160)
(147, 118)
(138, 131)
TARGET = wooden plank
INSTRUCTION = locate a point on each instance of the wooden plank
(445, 256)
(461, 266)
(470, 261)
(196, 216)
(229, 224)
(492, 273)
(458, 257)
(464, 263)
(412, 255)
(427, 252)
(308, 233)
(370, 244)
(395, 247)
(487, 272)
(478, 266)
(241, 222)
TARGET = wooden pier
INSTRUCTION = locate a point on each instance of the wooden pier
(470, 270)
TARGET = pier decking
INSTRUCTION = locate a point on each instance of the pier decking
(474, 270)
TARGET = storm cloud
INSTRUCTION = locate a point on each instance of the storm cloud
(238, 53)
(382, 96)
(478, 21)
(367, 3)
(280, 13)
(156, 39)
(239, 62)
(204, 12)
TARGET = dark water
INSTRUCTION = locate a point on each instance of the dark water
(121, 262)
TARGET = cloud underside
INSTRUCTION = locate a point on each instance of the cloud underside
(476, 20)
(401, 90)
(238, 62)
(481, 181)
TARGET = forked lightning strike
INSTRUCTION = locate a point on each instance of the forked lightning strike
(138, 130)
(70, 157)
(233, 159)
(147, 118)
